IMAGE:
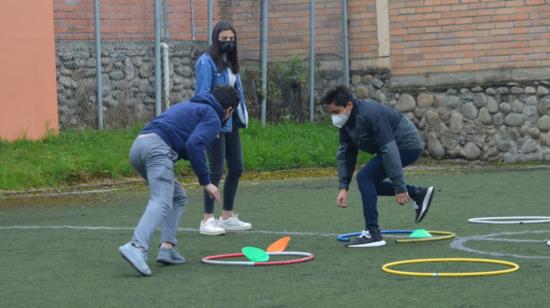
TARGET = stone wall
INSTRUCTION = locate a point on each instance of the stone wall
(128, 81)
(499, 121)
(507, 122)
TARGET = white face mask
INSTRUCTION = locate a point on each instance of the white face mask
(339, 120)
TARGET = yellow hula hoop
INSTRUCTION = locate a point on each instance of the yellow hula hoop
(445, 235)
(513, 267)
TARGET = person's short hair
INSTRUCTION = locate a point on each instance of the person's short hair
(227, 96)
(339, 95)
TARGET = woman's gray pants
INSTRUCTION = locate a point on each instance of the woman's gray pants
(154, 160)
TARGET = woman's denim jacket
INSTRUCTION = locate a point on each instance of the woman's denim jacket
(207, 77)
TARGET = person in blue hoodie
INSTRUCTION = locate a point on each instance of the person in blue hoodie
(372, 127)
(184, 131)
(220, 66)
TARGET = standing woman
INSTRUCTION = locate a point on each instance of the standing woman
(220, 66)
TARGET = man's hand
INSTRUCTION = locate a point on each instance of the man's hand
(213, 192)
(341, 200)
(402, 198)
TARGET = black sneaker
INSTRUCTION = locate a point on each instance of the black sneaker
(421, 203)
(366, 239)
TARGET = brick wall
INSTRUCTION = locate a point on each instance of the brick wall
(246, 19)
(289, 28)
(426, 36)
(180, 21)
(74, 20)
(468, 35)
(127, 19)
(363, 41)
(288, 23)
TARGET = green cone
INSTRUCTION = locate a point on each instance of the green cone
(420, 233)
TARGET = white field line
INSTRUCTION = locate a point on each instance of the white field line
(107, 228)
(458, 243)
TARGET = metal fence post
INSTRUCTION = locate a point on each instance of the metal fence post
(346, 41)
(209, 22)
(165, 50)
(164, 21)
(99, 76)
(264, 43)
(311, 59)
(192, 20)
(157, 59)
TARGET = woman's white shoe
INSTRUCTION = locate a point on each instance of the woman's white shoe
(211, 227)
(234, 224)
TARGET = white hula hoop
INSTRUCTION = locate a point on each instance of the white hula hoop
(510, 220)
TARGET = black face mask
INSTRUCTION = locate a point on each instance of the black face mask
(226, 46)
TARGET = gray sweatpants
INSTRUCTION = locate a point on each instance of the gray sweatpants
(154, 160)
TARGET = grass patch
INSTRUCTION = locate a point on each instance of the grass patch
(73, 157)
(68, 158)
(290, 145)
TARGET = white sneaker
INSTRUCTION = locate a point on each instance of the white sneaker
(234, 224)
(211, 227)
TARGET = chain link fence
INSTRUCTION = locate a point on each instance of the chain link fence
(246, 17)
(128, 83)
(288, 64)
(289, 54)
(75, 61)
(126, 32)
(329, 49)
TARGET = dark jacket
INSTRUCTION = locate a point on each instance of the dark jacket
(376, 129)
(189, 128)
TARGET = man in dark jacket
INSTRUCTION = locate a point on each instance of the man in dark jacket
(184, 131)
(377, 129)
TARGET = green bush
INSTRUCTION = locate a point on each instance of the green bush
(287, 90)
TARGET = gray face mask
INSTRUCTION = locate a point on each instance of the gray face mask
(339, 120)
(227, 46)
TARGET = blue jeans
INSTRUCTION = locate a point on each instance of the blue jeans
(371, 182)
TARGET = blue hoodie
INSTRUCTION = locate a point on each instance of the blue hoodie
(189, 128)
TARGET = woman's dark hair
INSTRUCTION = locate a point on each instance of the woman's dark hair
(339, 95)
(214, 49)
